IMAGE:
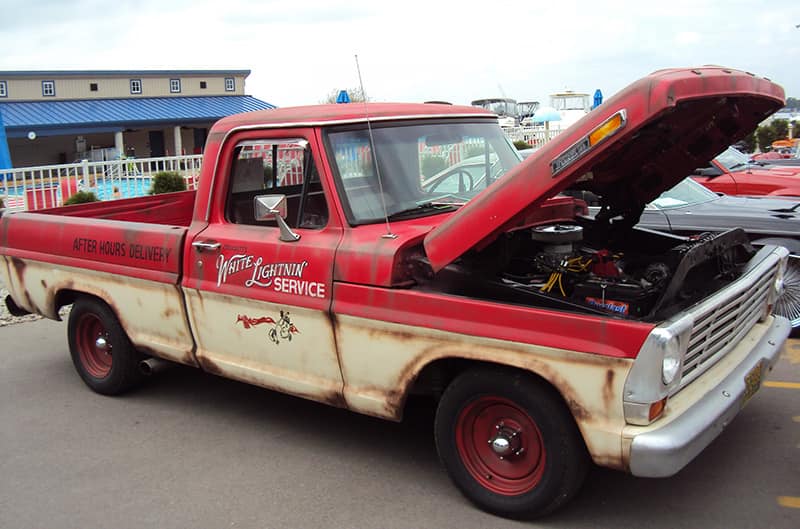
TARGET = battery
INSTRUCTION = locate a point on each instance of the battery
(624, 298)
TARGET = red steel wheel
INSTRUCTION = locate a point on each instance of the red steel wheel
(93, 344)
(100, 348)
(509, 442)
(500, 445)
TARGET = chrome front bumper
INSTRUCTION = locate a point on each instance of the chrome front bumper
(661, 451)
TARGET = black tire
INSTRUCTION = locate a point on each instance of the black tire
(533, 460)
(101, 350)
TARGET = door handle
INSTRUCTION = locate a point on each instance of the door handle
(206, 245)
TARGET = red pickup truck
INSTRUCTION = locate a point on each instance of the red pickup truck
(311, 260)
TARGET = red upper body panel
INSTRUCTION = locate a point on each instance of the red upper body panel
(671, 122)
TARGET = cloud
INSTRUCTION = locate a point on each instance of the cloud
(413, 51)
(686, 38)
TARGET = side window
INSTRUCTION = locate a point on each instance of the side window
(276, 167)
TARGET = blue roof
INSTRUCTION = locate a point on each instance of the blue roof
(107, 115)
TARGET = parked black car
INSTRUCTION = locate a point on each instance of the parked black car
(689, 208)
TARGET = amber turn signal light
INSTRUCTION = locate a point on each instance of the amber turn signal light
(656, 409)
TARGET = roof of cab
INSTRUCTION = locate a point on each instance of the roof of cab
(344, 113)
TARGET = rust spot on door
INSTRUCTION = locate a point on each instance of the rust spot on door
(608, 389)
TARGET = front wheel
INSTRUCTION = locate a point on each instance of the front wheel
(509, 443)
(788, 303)
(101, 351)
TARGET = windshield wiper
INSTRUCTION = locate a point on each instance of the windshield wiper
(426, 208)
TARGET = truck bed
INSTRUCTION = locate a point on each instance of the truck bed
(174, 209)
(139, 237)
(126, 252)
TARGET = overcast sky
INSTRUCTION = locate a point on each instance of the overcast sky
(409, 50)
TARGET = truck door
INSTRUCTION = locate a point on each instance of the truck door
(258, 305)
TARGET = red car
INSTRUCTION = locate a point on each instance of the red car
(734, 173)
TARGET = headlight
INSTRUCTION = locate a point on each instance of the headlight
(671, 363)
(656, 372)
(779, 277)
(777, 286)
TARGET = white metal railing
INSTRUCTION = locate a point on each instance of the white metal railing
(32, 188)
(535, 136)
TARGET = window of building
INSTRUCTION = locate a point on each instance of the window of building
(230, 84)
(48, 88)
(203, 85)
(3, 89)
(136, 86)
(175, 86)
(93, 87)
(276, 167)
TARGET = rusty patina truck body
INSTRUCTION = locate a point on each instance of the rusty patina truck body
(321, 257)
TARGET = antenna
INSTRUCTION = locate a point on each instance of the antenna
(388, 234)
(502, 92)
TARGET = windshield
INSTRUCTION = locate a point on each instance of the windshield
(424, 169)
(687, 192)
(731, 159)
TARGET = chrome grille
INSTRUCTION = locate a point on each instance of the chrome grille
(721, 321)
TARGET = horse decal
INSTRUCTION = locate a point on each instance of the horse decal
(283, 329)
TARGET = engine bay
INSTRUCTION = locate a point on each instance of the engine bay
(584, 266)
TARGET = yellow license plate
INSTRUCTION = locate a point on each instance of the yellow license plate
(752, 381)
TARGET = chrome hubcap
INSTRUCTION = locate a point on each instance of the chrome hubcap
(506, 441)
(501, 446)
(101, 344)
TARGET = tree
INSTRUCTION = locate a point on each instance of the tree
(356, 95)
(781, 128)
(792, 102)
(778, 129)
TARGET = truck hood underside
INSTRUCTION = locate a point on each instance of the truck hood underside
(661, 128)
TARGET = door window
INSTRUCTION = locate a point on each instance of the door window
(276, 167)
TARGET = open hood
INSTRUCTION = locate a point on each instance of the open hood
(628, 151)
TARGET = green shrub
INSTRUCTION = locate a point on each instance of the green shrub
(432, 164)
(167, 182)
(81, 197)
(521, 144)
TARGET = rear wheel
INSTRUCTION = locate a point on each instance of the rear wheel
(509, 443)
(101, 351)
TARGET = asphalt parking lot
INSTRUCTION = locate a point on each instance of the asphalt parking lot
(194, 450)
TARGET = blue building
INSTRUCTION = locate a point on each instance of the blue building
(55, 117)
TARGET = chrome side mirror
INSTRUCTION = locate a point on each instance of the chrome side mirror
(268, 207)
